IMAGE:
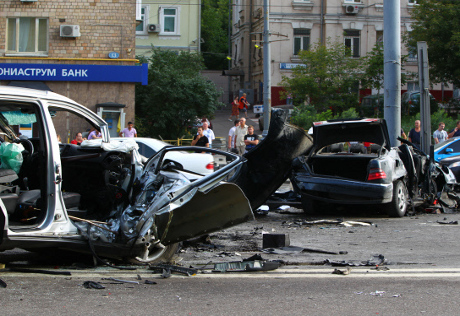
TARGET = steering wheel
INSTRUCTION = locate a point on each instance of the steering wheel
(26, 143)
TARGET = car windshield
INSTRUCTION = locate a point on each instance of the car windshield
(444, 143)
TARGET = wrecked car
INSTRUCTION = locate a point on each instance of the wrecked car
(352, 162)
(98, 197)
(102, 198)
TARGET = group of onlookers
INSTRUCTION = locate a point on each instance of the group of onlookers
(93, 133)
(241, 137)
(439, 135)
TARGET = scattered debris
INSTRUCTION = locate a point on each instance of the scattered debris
(254, 263)
(302, 222)
(150, 282)
(3, 284)
(121, 281)
(166, 274)
(448, 223)
(377, 293)
(262, 210)
(93, 285)
(166, 269)
(379, 268)
(39, 271)
(376, 260)
(294, 249)
(342, 272)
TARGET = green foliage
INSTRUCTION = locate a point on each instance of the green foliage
(305, 115)
(438, 24)
(328, 80)
(175, 96)
(407, 122)
(214, 32)
(373, 66)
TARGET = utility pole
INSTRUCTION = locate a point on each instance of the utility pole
(267, 74)
(392, 68)
(425, 115)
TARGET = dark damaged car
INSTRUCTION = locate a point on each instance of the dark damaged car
(352, 162)
(100, 198)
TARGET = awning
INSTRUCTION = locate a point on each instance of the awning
(37, 85)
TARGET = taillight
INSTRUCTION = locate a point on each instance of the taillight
(210, 166)
(376, 174)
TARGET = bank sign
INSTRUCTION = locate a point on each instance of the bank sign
(57, 72)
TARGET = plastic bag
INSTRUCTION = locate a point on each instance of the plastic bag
(11, 156)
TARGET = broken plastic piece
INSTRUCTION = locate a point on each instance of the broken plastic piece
(172, 268)
(254, 263)
(374, 261)
(3, 284)
(121, 281)
(93, 285)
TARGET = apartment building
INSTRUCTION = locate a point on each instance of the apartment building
(169, 24)
(296, 25)
(83, 49)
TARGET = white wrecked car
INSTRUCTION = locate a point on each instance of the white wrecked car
(99, 197)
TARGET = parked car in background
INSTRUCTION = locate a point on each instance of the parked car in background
(372, 106)
(447, 154)
(410, 103)
(196, 162)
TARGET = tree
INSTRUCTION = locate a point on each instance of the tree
(437, 22)
(328, 79)
(214, 32)
(175, 96)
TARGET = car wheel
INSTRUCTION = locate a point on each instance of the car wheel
(398, 206)
(309, 206)
(156, 254)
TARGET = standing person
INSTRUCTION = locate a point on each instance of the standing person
(440, 134)
(456, 131)
(200, 139)
(129, 131)
(403, 135)
(78, 139)
(231, 138)
(94, 134)
(208, 133)
(240, 132)
(235, 112)
(414, 134)
(251, 140)
(243, 107)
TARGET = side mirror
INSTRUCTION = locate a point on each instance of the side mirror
(449, 150)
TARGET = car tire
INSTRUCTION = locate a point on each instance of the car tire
(309, 205)
(398, 206)
(157, 255)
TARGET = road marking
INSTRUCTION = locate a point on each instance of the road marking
(281, 273)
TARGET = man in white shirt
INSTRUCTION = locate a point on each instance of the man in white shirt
(440, 134)
(240, 132)
(208, 133)
(231, 136)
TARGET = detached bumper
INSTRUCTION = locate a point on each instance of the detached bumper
(333, 190)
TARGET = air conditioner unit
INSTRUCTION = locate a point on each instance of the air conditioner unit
(351, 9)
(153, 28)
(70, 31)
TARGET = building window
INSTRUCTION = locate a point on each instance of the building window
(141, 29)
(352, 43)
(301, 40)
(379, 36)
(412, 1)
(27, 36)
(169, 20)
(412, 86)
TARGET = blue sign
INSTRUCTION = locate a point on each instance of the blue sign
(290, 66)
(58, 72)
(114, 55)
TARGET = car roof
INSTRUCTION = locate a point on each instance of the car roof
(34, 94)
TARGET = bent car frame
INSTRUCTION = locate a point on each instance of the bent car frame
(99, 197)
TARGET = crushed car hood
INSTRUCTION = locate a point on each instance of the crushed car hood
(362, 130)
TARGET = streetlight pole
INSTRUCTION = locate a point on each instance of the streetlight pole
(267, 74)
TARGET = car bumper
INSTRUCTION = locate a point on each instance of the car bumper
(333, 190)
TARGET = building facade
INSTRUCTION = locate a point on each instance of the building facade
(83, 49)
(297, 24)
(169, 24)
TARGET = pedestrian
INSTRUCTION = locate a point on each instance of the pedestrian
(403, 135)
(78, 139)
(456, 131)
(243, 106)
(200, 139)
(235, 112)
(251, 140)
(240, 132)
(129, 131)
(440, 134)
(414, 134)
(231, 138)
(94, 134)
(208, 133)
